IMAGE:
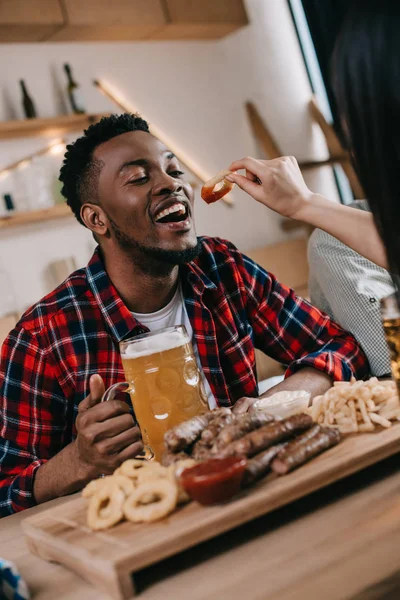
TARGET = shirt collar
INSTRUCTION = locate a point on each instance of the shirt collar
(196, 277)
(116, 314)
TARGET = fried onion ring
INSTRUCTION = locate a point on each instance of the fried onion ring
(211, 193)
(150, 472)
(126, 484)
(96, 485)
(123, 483)
(131, 468)
(164, 494)
(175, 471)
(105, 508)
(181, 465)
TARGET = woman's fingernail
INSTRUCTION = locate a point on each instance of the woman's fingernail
(229, 178)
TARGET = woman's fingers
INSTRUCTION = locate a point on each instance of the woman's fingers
(252, 177)
(247, 185)
(250, 164)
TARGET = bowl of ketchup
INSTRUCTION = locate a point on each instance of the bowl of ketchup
(214, 481)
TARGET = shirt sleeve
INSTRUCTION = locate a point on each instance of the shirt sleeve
(32, 418)
(295, 333)
(354, 287)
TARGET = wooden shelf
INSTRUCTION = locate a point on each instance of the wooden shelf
(56, 126)
(26, 21)
(119, 20)
(59, 211)
(143, 20)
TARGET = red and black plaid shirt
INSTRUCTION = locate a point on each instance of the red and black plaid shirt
(234, 306)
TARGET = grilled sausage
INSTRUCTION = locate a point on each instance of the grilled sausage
(241, 425)
(313, 442)
(169, 458)
(209, 434)
(303, 437)
(260, 464)
(267, 436)
(184, 434)
(201, 450)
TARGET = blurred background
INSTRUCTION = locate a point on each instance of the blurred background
(216, 79)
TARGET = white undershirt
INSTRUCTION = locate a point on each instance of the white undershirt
(175, 313)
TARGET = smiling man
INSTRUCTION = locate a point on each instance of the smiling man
(149, 271)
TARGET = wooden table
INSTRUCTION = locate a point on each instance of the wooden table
(340, 543)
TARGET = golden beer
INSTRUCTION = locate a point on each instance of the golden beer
(392, 333)
(391, 325)
(164, 382)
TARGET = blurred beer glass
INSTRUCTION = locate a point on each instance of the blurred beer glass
(164, 383)
(391, 324)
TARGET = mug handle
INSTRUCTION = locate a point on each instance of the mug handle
(123, 386)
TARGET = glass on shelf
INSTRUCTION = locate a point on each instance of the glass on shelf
(33, 183)
(22, 181)
(42, 197)
(6, 188)
(8, 303)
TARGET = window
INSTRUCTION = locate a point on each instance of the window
(317, 24)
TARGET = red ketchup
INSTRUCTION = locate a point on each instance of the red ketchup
(214, 480)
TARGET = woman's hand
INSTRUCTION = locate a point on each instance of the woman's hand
(277, 183)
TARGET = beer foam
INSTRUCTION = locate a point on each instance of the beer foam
(156, 343)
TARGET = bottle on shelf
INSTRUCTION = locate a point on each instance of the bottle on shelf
(74, 93)
(9, 203)
(27, 102)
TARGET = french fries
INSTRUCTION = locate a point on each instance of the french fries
(357, 406)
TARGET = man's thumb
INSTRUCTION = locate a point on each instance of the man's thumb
(97, 389)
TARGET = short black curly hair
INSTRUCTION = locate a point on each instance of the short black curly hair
(79, 172)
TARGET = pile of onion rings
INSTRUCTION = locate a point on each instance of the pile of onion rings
(138, 491)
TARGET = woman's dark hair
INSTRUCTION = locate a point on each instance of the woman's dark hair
(366, 82)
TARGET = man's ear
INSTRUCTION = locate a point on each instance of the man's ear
(95, 219)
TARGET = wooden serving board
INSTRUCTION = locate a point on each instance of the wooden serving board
(109, 559)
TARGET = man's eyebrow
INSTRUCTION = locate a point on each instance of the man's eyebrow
(140, 162)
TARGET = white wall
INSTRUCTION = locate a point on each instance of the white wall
(195, 91)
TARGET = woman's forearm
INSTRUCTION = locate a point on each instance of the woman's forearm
(352, 227)
(279, 184)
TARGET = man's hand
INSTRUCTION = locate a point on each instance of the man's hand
(243, 405)
(308, 379)
(106, 432)
(106, 437)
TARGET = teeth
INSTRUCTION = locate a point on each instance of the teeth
(175, 208)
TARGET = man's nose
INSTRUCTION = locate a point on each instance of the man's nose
(166, 184)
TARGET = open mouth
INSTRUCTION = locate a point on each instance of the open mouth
(173, 214)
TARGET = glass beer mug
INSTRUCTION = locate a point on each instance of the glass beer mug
(391, 325)
(163, 381)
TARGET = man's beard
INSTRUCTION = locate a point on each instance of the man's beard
(151, 258)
